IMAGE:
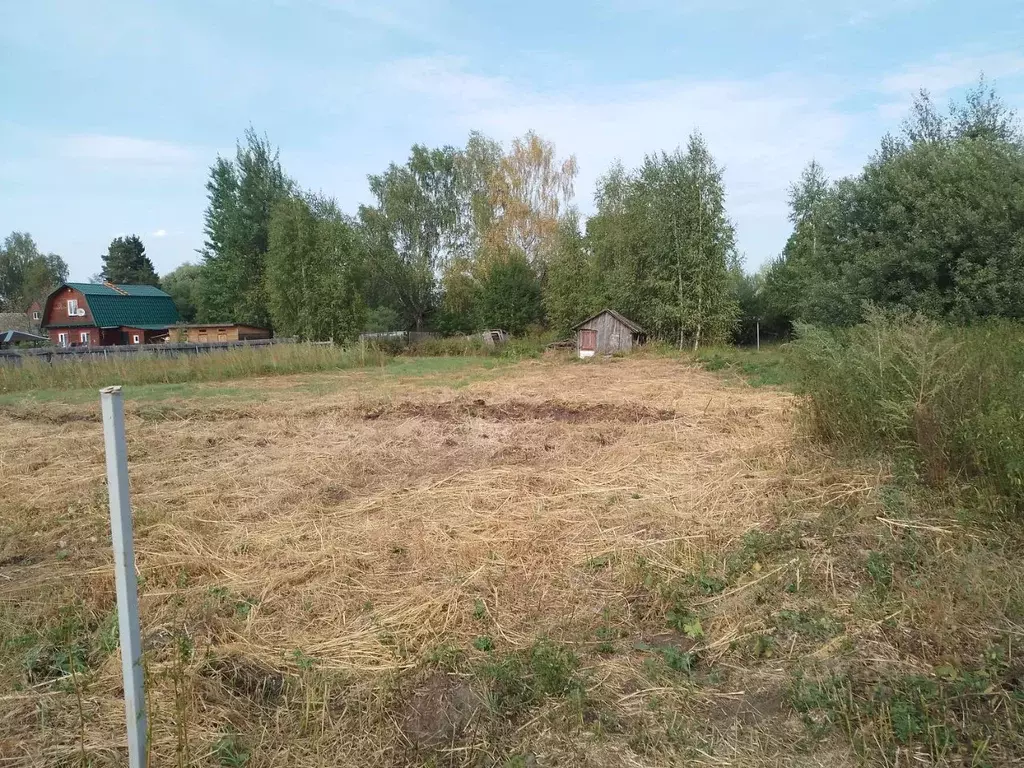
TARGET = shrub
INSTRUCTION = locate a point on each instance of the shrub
(951, 396)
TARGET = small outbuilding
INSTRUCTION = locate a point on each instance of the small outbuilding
(607, 332)
(207, 333)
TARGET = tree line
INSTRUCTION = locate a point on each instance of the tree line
(933, 224)
(457, 239)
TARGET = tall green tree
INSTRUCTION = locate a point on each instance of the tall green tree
(183, 285)
(411, 230)
(126, 262)
(934, 223)
(665, 247)
(26, 275)
(314, 270)
(510, 296)
(242, 194)
(571, 291)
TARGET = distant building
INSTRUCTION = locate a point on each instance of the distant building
(205, 333)
(104, 314)
(17, 321)
(607, 332)
(12, 338)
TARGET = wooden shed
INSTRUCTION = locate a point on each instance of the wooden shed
(203, 333)
(607, 332)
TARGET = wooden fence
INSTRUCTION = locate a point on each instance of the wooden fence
(77, 354)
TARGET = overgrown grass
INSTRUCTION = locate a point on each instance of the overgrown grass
(214, 366)
(245, 362)
(949, 397)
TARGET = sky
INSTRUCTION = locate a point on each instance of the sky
(112, 111)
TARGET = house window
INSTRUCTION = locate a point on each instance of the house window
(36, 315)
(72, 307)
(222, 335)
(588, 340)
(84, 337)
(62, 339)
(202, 337)
(135, 338)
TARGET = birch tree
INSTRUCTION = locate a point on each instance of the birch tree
(528, 191)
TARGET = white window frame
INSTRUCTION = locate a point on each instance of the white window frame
(83, 337)
(36, 314)
(62, 338)
(135, 338)
(72, 307)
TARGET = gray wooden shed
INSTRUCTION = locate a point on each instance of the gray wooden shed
(607, 332)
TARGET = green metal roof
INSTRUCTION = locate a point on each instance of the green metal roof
(137, 306)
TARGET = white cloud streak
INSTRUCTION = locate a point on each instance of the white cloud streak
(948, 72)
(126, 150)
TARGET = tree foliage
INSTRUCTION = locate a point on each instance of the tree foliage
(528, 191)
(126, 262)
(413, 228)
(933, 224)
(314, 270)
(26, 275)
(242, 194)
(572, 280)
(183, 285)
(510, 296)
(664, 246)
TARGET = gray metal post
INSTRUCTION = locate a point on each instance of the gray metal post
(758, 335)
(112, 402)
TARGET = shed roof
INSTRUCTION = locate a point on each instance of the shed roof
(136, 306)
(7, 337)
(621, 318)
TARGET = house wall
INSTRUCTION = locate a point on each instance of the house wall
(56, 313)
(74, 333)
(101, 337)
(612, 336)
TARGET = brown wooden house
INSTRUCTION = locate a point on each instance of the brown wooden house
(205, 333)
(607, 332)
(104, 314)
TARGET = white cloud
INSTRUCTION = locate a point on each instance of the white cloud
(160, 233)
(126, 150)
(949, 72)
(444, 77)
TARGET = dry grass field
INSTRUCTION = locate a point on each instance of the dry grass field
(627, 563)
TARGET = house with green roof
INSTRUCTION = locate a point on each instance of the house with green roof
(105, 314)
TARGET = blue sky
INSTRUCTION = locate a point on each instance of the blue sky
(112, 111)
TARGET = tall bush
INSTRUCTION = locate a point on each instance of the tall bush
(953, 397)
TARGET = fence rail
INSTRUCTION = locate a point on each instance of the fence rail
(15, 357)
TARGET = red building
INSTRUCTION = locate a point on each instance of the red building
(95, 314)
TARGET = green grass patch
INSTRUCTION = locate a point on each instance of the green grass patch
(769, 366)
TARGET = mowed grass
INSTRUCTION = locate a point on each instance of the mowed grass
(458, 562)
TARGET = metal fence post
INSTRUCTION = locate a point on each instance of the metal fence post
(112, 403)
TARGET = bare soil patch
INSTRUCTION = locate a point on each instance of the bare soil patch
(520, 410)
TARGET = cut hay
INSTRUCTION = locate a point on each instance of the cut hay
(313, 566)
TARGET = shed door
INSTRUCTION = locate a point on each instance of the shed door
(588, 340)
